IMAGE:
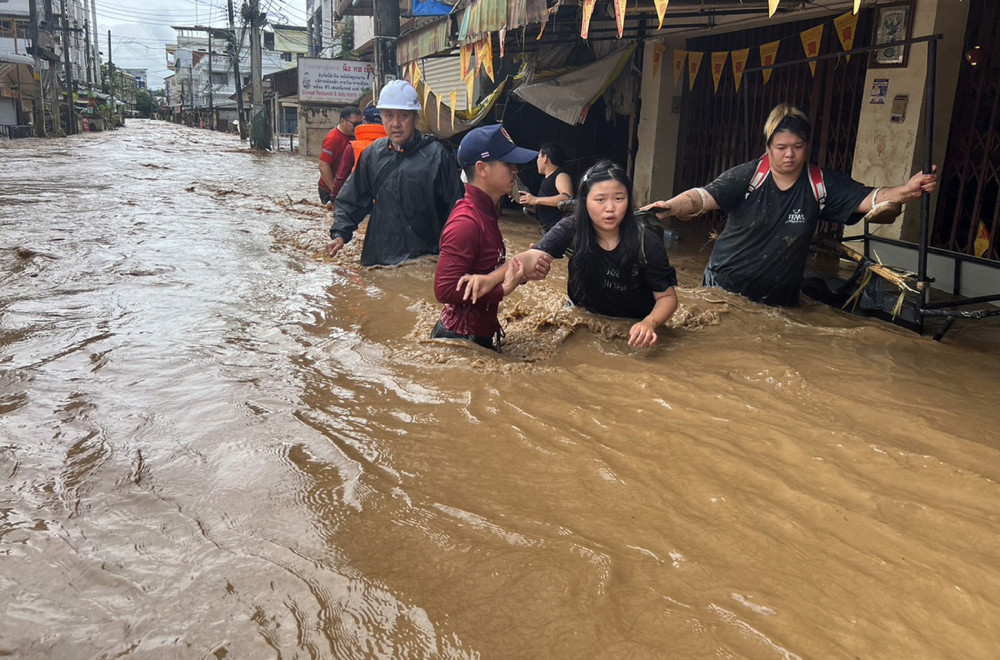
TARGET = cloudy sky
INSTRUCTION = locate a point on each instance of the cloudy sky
(141, 28)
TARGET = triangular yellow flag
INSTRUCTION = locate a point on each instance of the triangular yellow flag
(437, 97)
(417, 74)
(767, 53)
(454, 101)
(427, 91)
(588, 11)
(857, 6)
(810, 43)
(982, 243)
(484, 54)
(470, 86)
(658, 50)
(620, 16)
(694, 63)
(679, 57)
(772, 6)
(465, 53)
(739, 64)
(661, 10)
(718, 64)
(847, 27)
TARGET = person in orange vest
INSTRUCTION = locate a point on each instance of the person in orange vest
(364, 136)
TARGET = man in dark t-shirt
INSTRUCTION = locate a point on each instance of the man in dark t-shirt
(762, 252)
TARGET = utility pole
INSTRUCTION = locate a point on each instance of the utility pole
(234, 53)
(386, 33)
(111, 79)
(211, 109)
(90, 58)
(68, 70)
(36, 46)
(255, 59)
(97, 47)
(56, 101)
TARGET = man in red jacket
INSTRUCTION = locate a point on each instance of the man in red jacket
(471, 243)
(333, 150)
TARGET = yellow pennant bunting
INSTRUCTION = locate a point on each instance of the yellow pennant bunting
(417, 74)
(588, 11)
(846, 29)
(694, 63)
(470, 87)
(484, 54)
(810, 43)
(679, 57)
(427, 91)
(658, 50)
(982, 240)
(767, 53)
(857, 6)
(541, 31)
(454, 101)
(718, 64)
(772, 6)
(661, 10)
(437, 97)
(620, 16)
(739, 64)
(465, 53)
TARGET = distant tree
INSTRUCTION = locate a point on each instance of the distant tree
(144, 103)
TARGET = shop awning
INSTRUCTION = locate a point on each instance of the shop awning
(436, 119)
(567, 97)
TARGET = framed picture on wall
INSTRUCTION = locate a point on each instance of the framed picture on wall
(893, 23)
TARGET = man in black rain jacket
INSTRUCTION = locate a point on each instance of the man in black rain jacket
(407, 181)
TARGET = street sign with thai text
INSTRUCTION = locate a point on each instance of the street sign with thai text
(333, 81)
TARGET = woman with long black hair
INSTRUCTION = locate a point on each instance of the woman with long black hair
(618, 266)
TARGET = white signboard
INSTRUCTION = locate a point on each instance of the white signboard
(333, 81)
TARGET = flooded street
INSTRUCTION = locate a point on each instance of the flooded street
(217, 442)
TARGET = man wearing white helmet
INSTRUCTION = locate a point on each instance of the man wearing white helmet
(407, 181)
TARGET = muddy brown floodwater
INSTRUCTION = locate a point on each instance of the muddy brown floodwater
(216, 442)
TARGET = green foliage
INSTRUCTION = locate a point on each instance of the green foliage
(144, 103)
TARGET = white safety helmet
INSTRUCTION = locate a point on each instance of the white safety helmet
(398, 95)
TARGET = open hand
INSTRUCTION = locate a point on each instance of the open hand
(333, 248)
(642, 334)
(663, 210)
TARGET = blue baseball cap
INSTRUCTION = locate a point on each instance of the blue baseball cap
(488, 143)
(372, 115)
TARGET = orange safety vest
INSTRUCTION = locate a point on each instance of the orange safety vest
(364, 136)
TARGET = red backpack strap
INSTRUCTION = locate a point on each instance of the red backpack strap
(763, 169)
(817, 184)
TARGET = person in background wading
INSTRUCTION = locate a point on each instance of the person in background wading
(364, 136)
(773, 207)
(556, 186)
(472, 247)
(408, 183)
(619, 265)
(334, 144)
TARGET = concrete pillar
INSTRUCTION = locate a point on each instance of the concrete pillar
(887, 152)
(659, 123)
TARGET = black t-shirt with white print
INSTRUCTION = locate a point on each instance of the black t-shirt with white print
(612, 284)
(762, 252)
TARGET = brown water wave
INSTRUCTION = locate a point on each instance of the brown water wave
(216, 442)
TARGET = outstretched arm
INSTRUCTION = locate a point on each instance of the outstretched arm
(687, 205)
(529, 265)
(918, 184)
(643, 333)
(564, 186)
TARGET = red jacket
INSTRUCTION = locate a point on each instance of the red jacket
(471, 243)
